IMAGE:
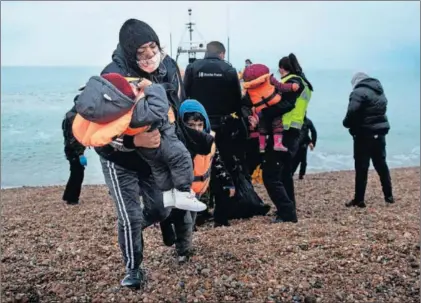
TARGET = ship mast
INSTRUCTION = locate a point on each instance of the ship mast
(228, 32)
(194, 47)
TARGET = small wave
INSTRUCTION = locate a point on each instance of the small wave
(416, 150)
(323, 162)
(408, 157)
(43, 136)
(14, 132)
(10, 187)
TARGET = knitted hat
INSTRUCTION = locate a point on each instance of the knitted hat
(120, 83)
(255, 71)
(133, 34)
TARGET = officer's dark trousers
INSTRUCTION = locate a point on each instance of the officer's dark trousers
(300, 159)
(277, 176)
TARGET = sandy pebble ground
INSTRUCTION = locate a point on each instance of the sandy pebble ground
(51, 252)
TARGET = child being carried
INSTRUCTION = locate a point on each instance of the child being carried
(110, 107)
(263, 94)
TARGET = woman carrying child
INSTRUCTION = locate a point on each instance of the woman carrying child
(277, 166)
(126, 172)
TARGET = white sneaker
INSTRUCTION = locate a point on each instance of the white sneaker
(169, 199)
(188, 201)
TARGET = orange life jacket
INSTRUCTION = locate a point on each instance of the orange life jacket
(202, 171)
(94, 134)
(262, 93)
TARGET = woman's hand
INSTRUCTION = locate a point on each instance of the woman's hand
(143, 84)
(148, 139)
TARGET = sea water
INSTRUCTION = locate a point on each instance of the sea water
(35, 99)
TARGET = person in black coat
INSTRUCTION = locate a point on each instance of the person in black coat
(74, 152)
(214, 83)
(305, 141)
(368, 124)
(277, 166)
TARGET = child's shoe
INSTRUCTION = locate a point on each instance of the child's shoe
(277, 143)
(188, 201)
(169, 199)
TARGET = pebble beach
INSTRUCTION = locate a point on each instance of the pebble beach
(52, 252)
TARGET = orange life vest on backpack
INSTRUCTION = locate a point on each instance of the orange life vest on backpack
(262, 93)
(202, 171)
(94, 134)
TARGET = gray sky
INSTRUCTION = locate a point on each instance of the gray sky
(348, 35)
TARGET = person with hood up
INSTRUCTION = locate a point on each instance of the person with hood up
(212, 169)
(127, 174)
(111, 104)
(368, 124)
(194, 116)
(208, 166)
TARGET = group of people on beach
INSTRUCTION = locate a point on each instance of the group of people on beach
(171, 147)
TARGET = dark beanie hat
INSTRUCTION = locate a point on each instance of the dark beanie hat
(120, 83)
(255, 71)
(133, 34)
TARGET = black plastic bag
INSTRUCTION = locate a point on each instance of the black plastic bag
(246, 202)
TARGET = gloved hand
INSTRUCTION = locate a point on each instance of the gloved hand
(83, 161)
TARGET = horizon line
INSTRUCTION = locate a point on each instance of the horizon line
(101, 66)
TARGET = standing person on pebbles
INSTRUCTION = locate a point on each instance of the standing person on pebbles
(305, 141)
(74, 152)
(200, 142)
(277, 166)
(368, 125)
(127, 174)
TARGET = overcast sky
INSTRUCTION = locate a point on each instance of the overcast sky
(323, 35)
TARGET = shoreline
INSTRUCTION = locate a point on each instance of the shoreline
(309, 173)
